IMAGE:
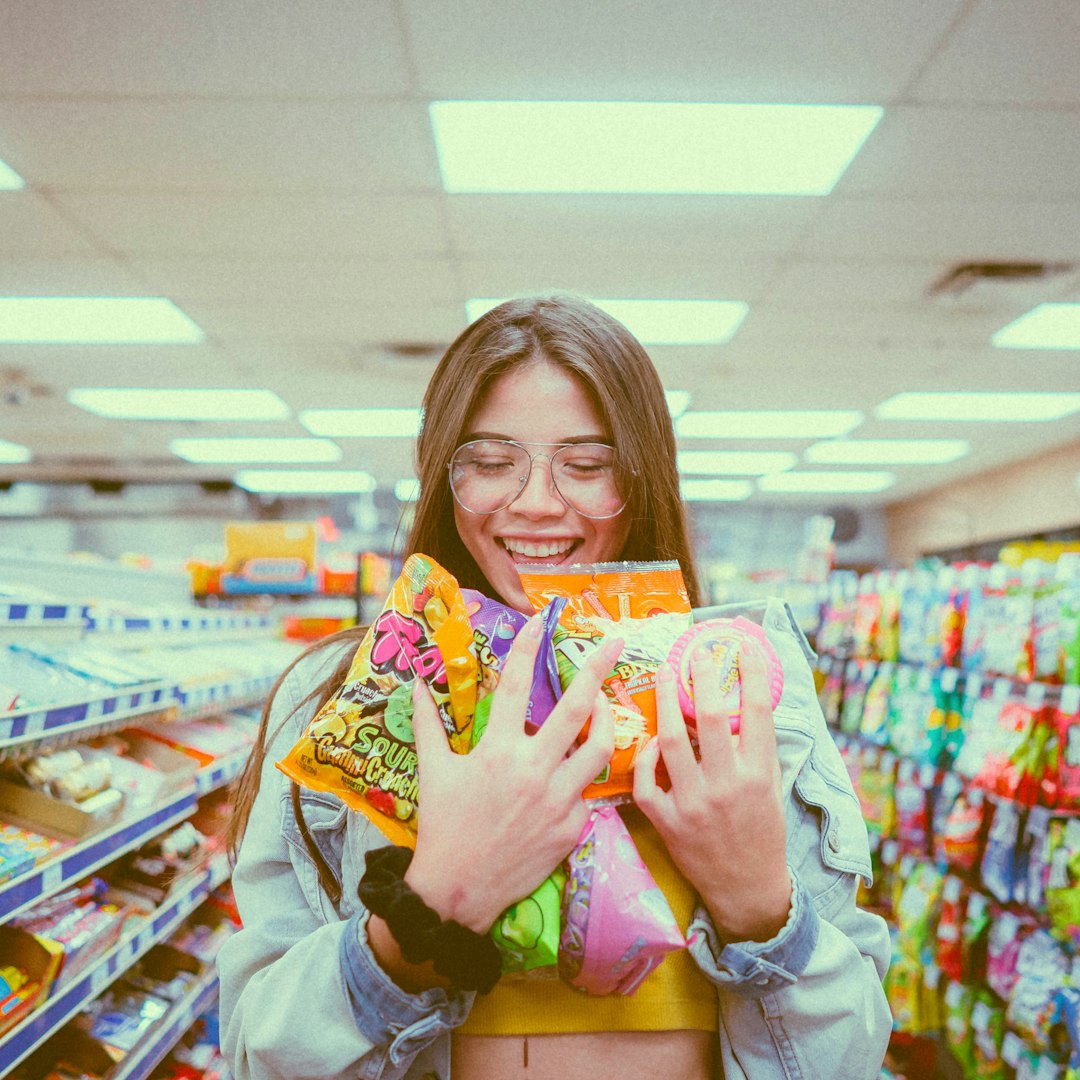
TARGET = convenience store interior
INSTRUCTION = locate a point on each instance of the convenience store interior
(278, 204)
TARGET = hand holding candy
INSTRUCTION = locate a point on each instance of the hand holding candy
(723, 817)
(494, 822)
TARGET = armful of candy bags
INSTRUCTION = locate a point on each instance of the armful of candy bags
(599, 919)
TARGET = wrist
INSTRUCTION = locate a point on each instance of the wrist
(451, 896)
(759, 914)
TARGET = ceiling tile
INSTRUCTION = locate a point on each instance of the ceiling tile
(695, 50)
(262, 225)
(31, 227)
(1009, 54)
(974, 151)
(203, 48)
(221, 146)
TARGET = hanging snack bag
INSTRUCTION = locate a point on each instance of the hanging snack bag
(360, 744)
(617, 925)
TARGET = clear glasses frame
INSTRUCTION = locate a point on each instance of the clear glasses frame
(524, 480)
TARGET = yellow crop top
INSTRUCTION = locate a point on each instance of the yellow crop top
(675, 996)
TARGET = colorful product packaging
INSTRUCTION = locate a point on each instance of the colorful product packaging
(617, 925)
(360, 745)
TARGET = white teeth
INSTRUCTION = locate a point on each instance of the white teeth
(538, 551)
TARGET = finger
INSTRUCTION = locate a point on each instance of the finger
(672, 736)
(711, 709)
(585, 763)
(515, 684)
(648, 794)
(562, 728)
(757, 736)
(428, 730)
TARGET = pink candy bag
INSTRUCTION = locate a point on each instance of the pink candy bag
(617, 925)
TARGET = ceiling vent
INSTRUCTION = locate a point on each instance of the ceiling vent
(984, 285)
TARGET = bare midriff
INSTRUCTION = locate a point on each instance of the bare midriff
(598, 1055)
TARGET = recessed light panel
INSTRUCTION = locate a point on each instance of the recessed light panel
(362, 423)
(886, 451)
(1048, 326)
(407, 490)
(12, 453)
(146, 404)
(716, 490)
(824, 483)
(734, 462)
(647, 147)
(982, 406)
(95, 320)
(237, 451)
(659, 322)
(767, 424)
(10, 180)
(305, 482)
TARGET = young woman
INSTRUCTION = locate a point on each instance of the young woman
(758, 841)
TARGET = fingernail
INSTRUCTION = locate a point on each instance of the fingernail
(533, 626)
(613, 647)
(664, 674)
(416, 690)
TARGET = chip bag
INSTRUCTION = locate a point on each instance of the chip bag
(617, 925)
(360, 744)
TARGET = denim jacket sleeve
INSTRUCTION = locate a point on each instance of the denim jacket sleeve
(809, 1002)
(301, 995)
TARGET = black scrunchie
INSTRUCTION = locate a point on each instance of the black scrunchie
(467, 959)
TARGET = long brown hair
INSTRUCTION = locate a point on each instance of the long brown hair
(616, 372)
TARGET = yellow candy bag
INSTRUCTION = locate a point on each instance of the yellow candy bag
(360, 744)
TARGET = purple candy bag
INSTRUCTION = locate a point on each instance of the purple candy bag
(494, 628)
(546, 686)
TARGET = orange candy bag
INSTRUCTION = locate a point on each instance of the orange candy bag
(360, 744)
(644, 603)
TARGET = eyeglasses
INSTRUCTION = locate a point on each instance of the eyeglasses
(487, 475)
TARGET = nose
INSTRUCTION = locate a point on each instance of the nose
(539, 497)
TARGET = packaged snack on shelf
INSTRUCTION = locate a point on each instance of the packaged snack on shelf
(1069, 619)
(838, 616)
(998, 866)
(831, 697)
(876, 791)
(959, 820)
(360, 745)
(886, 638)
(1007, 931)
(874, 723)
(959, 1000)
(1062, 779)
(913, 793)
(917, 910)
(1063, 881)
(1042, 968)
(988, 1030)
(856, 682)
(867, 615)
(617, 925)
(949, 953)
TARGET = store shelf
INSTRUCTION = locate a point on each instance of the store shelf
(144, 1058)
(221, 772)
(195, 628)
(77, 862)
(54, 724)
(64, 1004)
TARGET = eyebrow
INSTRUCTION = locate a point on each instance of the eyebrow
(472, 436)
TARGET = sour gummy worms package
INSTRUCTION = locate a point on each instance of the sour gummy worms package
(360, 744)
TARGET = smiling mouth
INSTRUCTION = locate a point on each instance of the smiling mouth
(552, 552)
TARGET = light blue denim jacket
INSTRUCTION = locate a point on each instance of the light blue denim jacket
(302, 996)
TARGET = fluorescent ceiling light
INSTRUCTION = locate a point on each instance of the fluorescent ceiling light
(827, 482)
(767, 424)
(95, 320)
(887, 451)
(1048, 326)
(131, 404)
(716, 490)
(659, 322)
(10, 180)
(647, 147)
(357, 423)
(12, 453)
(407, 490)
(1019, 405)
(291, 451)
(735, 462)
(678, 401)
(306, 482)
